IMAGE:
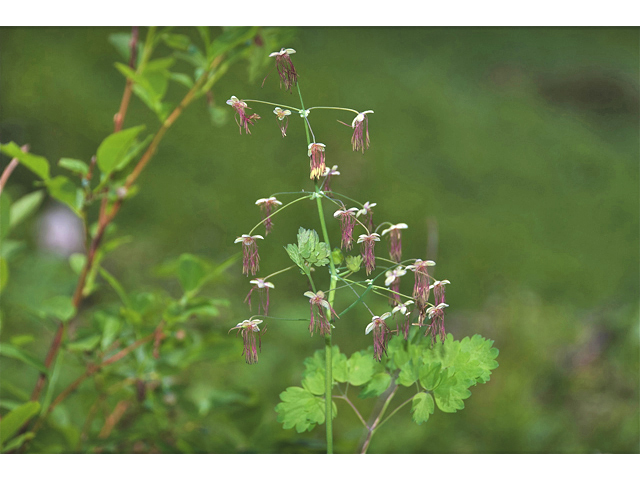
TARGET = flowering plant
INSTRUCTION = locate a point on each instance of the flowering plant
(415, 351)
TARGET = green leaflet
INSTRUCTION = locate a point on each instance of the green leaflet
(421, 407)
(301, 409)
(309, 251)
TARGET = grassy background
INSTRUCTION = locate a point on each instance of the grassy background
(513, 150)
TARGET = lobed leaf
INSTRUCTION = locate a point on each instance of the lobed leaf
(301, 409)
(421, 407)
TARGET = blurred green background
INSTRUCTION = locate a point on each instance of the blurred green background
(511, 153)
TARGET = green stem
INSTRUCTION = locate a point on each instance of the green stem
(328, 386)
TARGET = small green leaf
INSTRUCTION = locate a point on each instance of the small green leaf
(354, 263)
(111, 280)
(85, 344)
(18, 441)
(421, 407)
(115, 147)
(37, 164)
(12, 422)
(376, 386)
(301, 409)
(431, 375)
(65, 191)
(16, 353)
(176, 40)
(25, 206)
(110, 329)
(360, 368)
(450, 393)
(337, 256)
(182, 78)
(60, 307)
(77, 261)
(75, 166)
(408, 373)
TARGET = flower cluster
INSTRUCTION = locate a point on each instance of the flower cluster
(311, 253)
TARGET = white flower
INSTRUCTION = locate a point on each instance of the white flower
(376, 321)
(233, 101)
(248, 239)
(360, 117)
(439, 282)
(392, 275)
(249, 325)
(402, 308)
(281, 113)
(270, 200)
(374, 236)
(316, 146)
(399, 226)
(342, 211)
(331, 171)
(419, 262)
(283, 51)
(317, 299)
(434, 310)
(260, 283)
(366, 208)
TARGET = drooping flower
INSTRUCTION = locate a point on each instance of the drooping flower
(267, 205)
(250, 257)
(286, 70)
(438, 290)
(368, 246)
(436, 325)
(249, 330)
(242, 119)
(319, 321)
(421, 286)
(404, 325)
(283, 122)
(347, 222)
(263, 289)
(381, 334)
(316, 162)
(393, 280)
(360, 125)
(367, 209)
(395, 241)
(328, 173)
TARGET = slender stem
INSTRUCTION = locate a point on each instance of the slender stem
(335, 108)
(328, 386)
(274, 104)
(348, 400)
(395, 410)
(118, 119)
(375, 425)
(10, 168)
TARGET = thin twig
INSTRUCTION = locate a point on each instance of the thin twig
(10, 168)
